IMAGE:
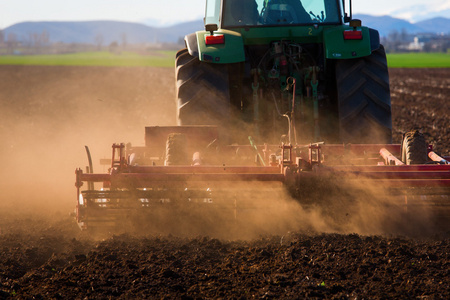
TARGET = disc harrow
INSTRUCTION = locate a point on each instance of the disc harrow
(138, 180)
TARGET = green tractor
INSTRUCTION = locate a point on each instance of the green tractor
(290, 70)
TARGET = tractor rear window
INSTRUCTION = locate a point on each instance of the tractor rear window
(237, 13)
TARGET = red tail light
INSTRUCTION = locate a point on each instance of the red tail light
(215, 39)
(353, 35)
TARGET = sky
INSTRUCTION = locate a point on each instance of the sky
(167, 12)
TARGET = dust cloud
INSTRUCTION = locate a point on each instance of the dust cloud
(48, 114)
(250, 210)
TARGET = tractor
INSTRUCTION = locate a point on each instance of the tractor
(302, 71)
(286, 93)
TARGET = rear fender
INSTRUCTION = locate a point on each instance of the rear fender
(336, 47)
(232, 51)
(191, 44)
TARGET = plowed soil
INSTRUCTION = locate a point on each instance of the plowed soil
(49, 113)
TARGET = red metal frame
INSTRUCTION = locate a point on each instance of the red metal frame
(377, 164)
(391, 169)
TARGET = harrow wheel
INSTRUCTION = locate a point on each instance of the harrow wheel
(414, 148)
(176, 150)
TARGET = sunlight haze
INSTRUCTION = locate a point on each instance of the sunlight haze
(168, 12)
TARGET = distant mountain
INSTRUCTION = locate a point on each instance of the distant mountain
(173, 33)
(91, 32)
(435, 25)
(387, 24)
(84, 32)
(420, 12)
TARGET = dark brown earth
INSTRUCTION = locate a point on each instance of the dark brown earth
(420, 101)
(49, 113)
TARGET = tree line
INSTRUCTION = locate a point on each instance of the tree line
(402, 41)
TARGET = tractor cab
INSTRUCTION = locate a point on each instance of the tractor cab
(262, 13)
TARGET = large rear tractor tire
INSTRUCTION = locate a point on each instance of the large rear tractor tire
(203, 96)
(414, 148)
(364, 100)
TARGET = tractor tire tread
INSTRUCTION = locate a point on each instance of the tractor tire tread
(364, 102)
(203, 96)
(414, 148)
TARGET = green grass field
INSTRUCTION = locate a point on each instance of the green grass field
(125, 59)
(419, 60)
(166, 59)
